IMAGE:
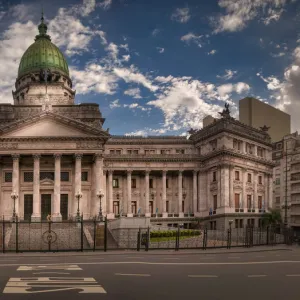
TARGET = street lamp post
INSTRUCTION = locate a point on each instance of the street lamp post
(78, 196)
(100, 195)
(14, 196)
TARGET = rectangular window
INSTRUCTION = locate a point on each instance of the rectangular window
(183, 183)
(259, 202)
(151, 207)
(214, 176)
(259, 179)
(179, 151)
(241, 223)
(249, 148)
(167, 183)
(237, 200)
(133, 207)
(277, 200)
(115, 183)
(237, 175)
(118, 152)
(237, 144)
(64, 176)
(236, 223)
(111, 151)
(46, 175)
(116, 208)
(84, 176)
(133, 183)
(249, 178)
(167, 206)
(260, 152)
(28, 176)
(213, 144)
(260, 223)
(182, 203)
(151, 183)
(215, 202)
(277, 181)
(249, 202)
(164, 151)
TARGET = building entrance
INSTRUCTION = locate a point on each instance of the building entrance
(45, 206)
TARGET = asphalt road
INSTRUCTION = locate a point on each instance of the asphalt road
(258, 275)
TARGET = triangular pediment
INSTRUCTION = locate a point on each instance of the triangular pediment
(49, 125)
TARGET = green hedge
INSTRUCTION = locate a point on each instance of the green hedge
(173, 233)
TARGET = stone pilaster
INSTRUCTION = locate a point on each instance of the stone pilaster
(77, 187)
(57, 169)
(231, 193)
(225, 185)
(195, 202)
(202, 191)
(255, 198)
(129, 212)
(266, 196)
(180, 211)
(36, 215)
(244, 193)
(15, 179)
(147, 194)
(104, 188)
(270, 194)
(164, 193)
(208, 198)
(110, 194)
(98, 161)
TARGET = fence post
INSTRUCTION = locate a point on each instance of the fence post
(138, 245)
(95, 226)
(148, 239)
(3, 235)
(204, 238)
(267, 235)
(105, 234)
(81, 234)
(229, 238)
(17, 237)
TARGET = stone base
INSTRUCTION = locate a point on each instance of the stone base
(148, 215)
(110, 216)
(129, 215)
(56, 218)
(35, 218)
(181, 215)
(165, 215)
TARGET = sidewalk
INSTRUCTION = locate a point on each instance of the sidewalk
(156, 252)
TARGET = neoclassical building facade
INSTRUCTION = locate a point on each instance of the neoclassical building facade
(53, 150)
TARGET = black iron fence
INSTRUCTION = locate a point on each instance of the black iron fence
(94, 235)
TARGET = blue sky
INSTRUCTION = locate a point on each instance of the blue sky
(158, 67)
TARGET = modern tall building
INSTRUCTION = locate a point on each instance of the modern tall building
(57, 159)
(257, 114)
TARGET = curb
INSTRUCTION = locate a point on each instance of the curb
(149, 253)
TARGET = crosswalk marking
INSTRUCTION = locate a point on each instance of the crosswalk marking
(49, 267)
(30, 285)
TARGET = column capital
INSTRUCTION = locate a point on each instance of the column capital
(195, 172)
(129, 171)
(15, 156)
(57, 156)
(147, 172)
(164, 172)
(36, 156)
(180, 172)
(110, 171)
(98, 155)
(78, 156)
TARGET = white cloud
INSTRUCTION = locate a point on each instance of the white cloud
(160, 50)
(241, 87)
(124, 46)
(212, 52)
(113, 51)
(21, 12)
(277, 54)
(132, 75)
(155, 32)
(94, 78)
(240, 12)
(126, 58)
(135, 93)
(191, 37)
(272, 82)
(114, 104)
(228, 74)
(181, 15)
(105, 4)
(88, 6)
(102, 36)
(11, 51)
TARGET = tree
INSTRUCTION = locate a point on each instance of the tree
(272, 218)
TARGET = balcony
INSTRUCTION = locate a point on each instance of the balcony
(251, 210)
(239, 210)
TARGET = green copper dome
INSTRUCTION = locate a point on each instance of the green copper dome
(43, 54)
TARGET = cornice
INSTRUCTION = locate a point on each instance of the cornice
(151, 140)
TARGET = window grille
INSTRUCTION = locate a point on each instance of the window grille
(46, 175)
(64, 176)
(8, 176)
(84, 176)
(28, 176)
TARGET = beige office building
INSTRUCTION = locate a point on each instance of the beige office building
(257, 114)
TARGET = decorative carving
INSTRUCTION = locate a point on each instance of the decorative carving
(192, 131)
(265, 128)
(5, 146)
(36, 156)
(89, 145)
(226, 112)
(57, 156)
(78, 156)
(213, 186)
(15, 156)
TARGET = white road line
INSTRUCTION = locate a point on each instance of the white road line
(93, 258)
(293, 275)
(52, 273)
(250, 276)
(135, 257)
(141, 275)
(202, 276)
(49, 267)
(167, 263)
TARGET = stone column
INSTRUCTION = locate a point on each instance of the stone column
(147, 194)
(104, 202)
(266, 196)
(181, 213)
(98, 160)
(231, 193)
(36, 215)
(225, 186)
(270, 194)
(15, 180)
(195, 206)
(255, 199)
(244, 193)
(202, 191)
(57, 165)
(208, 198)
(77, 187)
(164, 193)
(129, 213)
(110, 195)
